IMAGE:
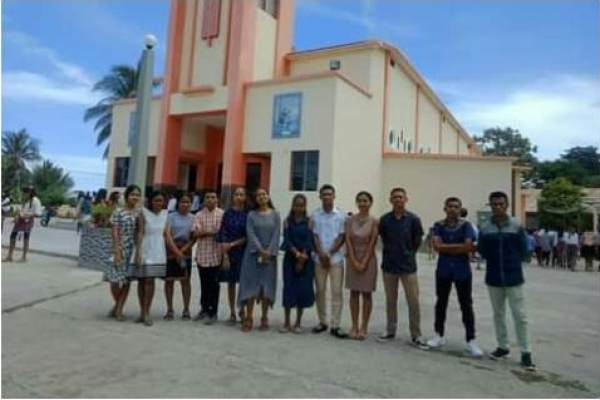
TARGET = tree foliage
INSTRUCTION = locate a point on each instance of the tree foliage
(18, 149)
(560, 203)
(51, 183)
(507, 142)
(580, 165)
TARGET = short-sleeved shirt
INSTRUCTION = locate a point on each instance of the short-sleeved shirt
(401, 238)
(453, 266)
(181, 226)
(208, 252)
(329, 226)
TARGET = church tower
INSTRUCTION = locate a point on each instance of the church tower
(215, 48)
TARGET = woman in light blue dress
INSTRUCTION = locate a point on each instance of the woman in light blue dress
(258, 276)
(124, 227)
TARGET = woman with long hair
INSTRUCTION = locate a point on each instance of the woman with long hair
(361, 263)
(124, 226)
(258, 276)
(298, 265)
(24, 222)
(150, 259)
(232, 237)
(180, 242)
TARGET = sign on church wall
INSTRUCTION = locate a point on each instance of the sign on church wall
(287, 114)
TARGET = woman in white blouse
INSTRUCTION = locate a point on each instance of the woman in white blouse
(24, 222)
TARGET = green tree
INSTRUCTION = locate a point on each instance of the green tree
(560, 204)
(507, 142)
(18, 149)
(580, 165)
(51, 183)
(119, 84)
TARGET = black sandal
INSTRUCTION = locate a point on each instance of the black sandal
(186, 316)
(168, 316)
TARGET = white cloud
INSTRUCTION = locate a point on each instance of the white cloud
(89, 173)
(66, 83)
(364, 19)
(555, 112)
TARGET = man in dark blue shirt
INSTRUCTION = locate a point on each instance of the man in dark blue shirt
(401, 234)
(453, 240)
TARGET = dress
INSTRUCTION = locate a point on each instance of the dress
(180, 227)
(154, 250)
(233, 227)
(361, 232)
(298, 288)
(262, 230)
(126, 221)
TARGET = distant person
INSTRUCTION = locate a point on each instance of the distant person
(196, 203)
(588, 244)
(453, 239)
(84, 211)
(464, 213)
(5, 207)
(571, 239)
(172, 204)
(24, 222)
(503, 244)
(401, 235)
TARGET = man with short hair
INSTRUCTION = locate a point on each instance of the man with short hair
(328, 224)
(453, 240)
(503, 244)
(401, 234)
(208, 256)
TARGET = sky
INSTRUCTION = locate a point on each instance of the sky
(531, 65)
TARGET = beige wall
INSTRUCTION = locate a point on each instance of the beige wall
(201, 102)
(193, 136)
(357, 136)
(264, 54)
(430, 181)
(448, 138)
(186, 54)
(120, 131)
(429, 126)
(317, 124)
(355, 64)
(401, 111)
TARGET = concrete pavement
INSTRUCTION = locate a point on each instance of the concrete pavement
(57, 343)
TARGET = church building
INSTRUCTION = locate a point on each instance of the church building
(240, 107)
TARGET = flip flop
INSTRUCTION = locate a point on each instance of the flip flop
(285, 329)
(185, 316)
(168, 316)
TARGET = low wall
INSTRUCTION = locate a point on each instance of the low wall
(95, 247)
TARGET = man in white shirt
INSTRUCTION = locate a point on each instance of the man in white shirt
(5, 207)
(328, 223)
(571, 239)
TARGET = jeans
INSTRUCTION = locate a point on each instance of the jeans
(443, 287)
(410, 283)
(210, 289)
(516, 300)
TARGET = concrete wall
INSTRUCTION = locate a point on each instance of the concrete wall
(317, 126)
(355, 64)
(197, 103)
(401, 111)
(193, 136)
(429, 181)
(429, 126)
(264, 51)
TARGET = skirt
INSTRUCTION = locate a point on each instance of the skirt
(175, 271)
(146, 271)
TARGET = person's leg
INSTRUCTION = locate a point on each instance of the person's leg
(367, 307)
(247, 324)
(148, 296)
(141, 289)
(337, 293)
(264, 308)
(498, 300)
(516, 301)
(25, 246)
(204, 289)
(286, 324)
(410, 284)
(390, 284)
(231, 298)
(123, 293)
(354, 311)
(114, 292)
(186, 292)
(321, 275)
(299, 312)
(464, 290)
(169, 287)
(216, 292)
(11, 246)
(443, 287)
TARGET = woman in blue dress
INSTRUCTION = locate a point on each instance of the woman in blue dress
(232, 236)
(298, 265)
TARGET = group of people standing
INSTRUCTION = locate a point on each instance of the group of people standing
(327, 249)
(563, 248)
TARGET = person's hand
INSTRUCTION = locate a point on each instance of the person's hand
(361, 267)
(324, 259)
(118, 260)
(299, 267)
(138, 259)
(226, 264)
(179, 256)
(225, 247)
(264, 254)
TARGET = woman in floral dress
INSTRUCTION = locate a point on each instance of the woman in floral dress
(124, 225)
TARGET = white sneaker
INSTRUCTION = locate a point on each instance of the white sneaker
(436, 341)
(473, 349)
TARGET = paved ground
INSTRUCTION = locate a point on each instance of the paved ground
(56, 342)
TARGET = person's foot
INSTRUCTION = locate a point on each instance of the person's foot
(169, 316)
(23, 259)
(264, 324)
(420, 344)
(362, 334)
(500, 354)
(386, 337)
(527, 363)
(436, 341)
(119, 317)
(353, 334)
(297, 329)
(7, 259)
(148, 321)
(232, 319)
(320, 328)
(111, 314)
(210, 320)
(139, 320)
(338, 333)
(185, 316)
(201, 316)
(473, 349)
(285, 329)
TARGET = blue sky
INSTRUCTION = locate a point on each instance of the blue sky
(533, 65)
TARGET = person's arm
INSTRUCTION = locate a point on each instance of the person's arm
(253, 242)
(371, 246)
(116, 239)
(339, 241)
(453, 248)
(481, 245)
(523, 244)
(317, 241)
(417, 234)
(350, 245)
(274, 244)
(170, 241)
(139, 237)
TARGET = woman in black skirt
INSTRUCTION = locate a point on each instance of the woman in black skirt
(179, 255)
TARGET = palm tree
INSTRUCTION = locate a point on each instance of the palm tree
(51, 182)
(18, 148)
(119, 84)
